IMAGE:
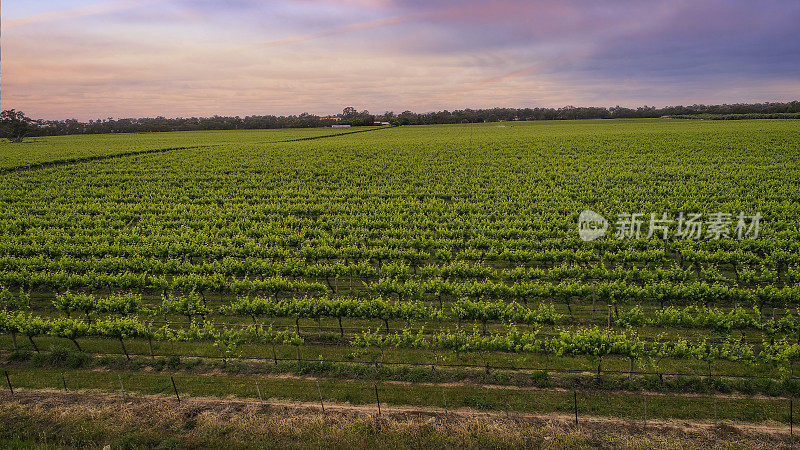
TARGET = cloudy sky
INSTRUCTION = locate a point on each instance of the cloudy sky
(90, 59)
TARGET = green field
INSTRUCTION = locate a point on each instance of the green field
(462, 239)
(44, 150)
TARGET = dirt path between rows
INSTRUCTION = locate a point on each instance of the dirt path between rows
(86, 398)
(457, 384)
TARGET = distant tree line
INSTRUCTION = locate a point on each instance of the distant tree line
(351, 116)
(143, 125)
(572, 112)
(740, 116)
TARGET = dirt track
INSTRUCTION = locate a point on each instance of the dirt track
(53, 398)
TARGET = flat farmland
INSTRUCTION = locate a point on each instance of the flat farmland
(434, 267)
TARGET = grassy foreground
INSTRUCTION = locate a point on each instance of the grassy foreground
(296, 384)
(49, 419)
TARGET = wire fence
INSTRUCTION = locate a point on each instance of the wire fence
(640, 409)
(448, 365)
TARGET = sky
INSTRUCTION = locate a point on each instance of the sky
(94, 59)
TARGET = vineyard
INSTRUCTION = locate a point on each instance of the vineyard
(440, 258)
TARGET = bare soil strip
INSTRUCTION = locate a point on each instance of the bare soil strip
(89, 398)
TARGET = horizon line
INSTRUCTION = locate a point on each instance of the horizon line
(332, 115)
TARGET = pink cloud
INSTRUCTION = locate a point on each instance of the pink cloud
(350, 28)
(92, 10)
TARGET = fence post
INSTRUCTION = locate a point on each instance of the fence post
(609, 316)
(645, 411)
(791, 420)
(575, 405)
(260, 400)
(8, 380)
(715, 412)
(444, 400)
(377, 399)
(121, 387)
(64, 382)
(715, 422)
(320, 397)
(175, 388)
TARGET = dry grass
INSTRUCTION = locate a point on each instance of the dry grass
(88, 419)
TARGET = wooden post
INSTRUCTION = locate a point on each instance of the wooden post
(377, 399)
(715, 422)
(594, 297)
(121, 387)
(260, 400)
(645, 411)
(575, 405)
(8, 380)
(791, 420)
(444, 400)
(715, 412)
(64, 382)
(320, 397)
(609, 316)
(175, 388)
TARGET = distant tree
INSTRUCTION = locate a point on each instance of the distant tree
(352, 117)
(15, 125)
(366, 119)
(349, 113)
